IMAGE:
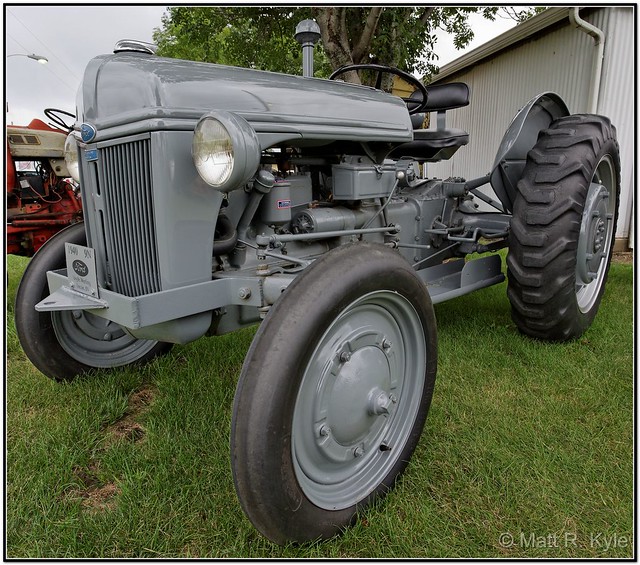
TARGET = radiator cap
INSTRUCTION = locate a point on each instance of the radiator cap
(135, 45)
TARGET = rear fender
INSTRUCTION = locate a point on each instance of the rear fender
(519, 139)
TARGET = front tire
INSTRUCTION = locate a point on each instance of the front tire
(63, 345)
(563, 228)
(333, 394)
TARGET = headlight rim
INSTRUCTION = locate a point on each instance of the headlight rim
(245, 146)
(72, 152)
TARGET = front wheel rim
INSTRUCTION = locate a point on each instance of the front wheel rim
(596, 235)
(97, 342)
(358, 400)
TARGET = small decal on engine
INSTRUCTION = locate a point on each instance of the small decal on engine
(284, 204)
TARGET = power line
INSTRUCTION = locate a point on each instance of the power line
(43, 44)
(48, 67)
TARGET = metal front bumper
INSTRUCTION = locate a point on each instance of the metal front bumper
(152, 309)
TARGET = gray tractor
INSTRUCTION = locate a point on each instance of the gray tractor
(218, 197)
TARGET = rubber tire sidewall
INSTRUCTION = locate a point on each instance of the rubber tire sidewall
(545, 227)
(35, 329)
(265, 399)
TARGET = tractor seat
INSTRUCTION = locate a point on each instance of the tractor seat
(436, 144)
(431, 144)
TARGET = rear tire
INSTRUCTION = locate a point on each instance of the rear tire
(563, 228)
(65, 344)
(333, 394)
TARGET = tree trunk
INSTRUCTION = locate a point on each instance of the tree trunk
(332, 22)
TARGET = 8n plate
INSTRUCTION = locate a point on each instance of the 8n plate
(81, 269)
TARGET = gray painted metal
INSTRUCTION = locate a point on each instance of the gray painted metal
(141, 92)
(65, 298)
(372, 355)
(144, 316)
(284, 238)
(456, 278)
(307, 34)
(151, 219)
(355, 181)
(519, 139)
(96, 342)
(148, 313)
(596, 233)
(145, 206)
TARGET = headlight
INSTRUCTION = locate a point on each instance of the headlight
(71, 157)
(213, 152)
(225, 150)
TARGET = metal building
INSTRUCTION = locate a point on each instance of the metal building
(590, 65)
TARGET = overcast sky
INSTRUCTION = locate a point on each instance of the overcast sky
(70, 36)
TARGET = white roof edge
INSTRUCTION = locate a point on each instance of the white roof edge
(508, 38)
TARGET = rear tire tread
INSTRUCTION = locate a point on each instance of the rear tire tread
(545, 226)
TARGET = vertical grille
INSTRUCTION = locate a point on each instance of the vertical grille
(129, 226)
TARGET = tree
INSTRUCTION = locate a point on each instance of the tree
(399, 36)
(262, 37)
(519, 14)
(251, 37)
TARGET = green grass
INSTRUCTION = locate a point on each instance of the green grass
(524, 439)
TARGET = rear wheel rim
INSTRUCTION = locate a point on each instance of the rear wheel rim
(596, 235)
(358, 400)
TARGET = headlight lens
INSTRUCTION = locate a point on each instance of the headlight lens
(71, 157)
(213, 152)
(225, 150)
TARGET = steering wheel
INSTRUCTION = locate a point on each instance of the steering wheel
(414, 105)
(52, 114)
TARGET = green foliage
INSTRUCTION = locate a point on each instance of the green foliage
(262, 37)
(520, 14)
(252, 37)
(407, 39)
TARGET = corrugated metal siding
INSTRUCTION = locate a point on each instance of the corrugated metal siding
(558, 60)
(617, 98)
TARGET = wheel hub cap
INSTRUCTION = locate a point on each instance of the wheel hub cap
(596, 235)
(358, 400)
(591, 248)
(97, 342)
(358, 394)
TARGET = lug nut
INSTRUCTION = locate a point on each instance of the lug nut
(345, 357)
(358, 452)
(386, 344)
(325, 431)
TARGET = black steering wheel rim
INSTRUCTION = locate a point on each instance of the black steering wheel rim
(413, 81)
(52, 114)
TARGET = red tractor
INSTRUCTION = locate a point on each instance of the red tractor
(41, 198)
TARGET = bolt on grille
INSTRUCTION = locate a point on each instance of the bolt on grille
(129, 225)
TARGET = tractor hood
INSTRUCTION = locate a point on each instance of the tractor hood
(128, 92)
